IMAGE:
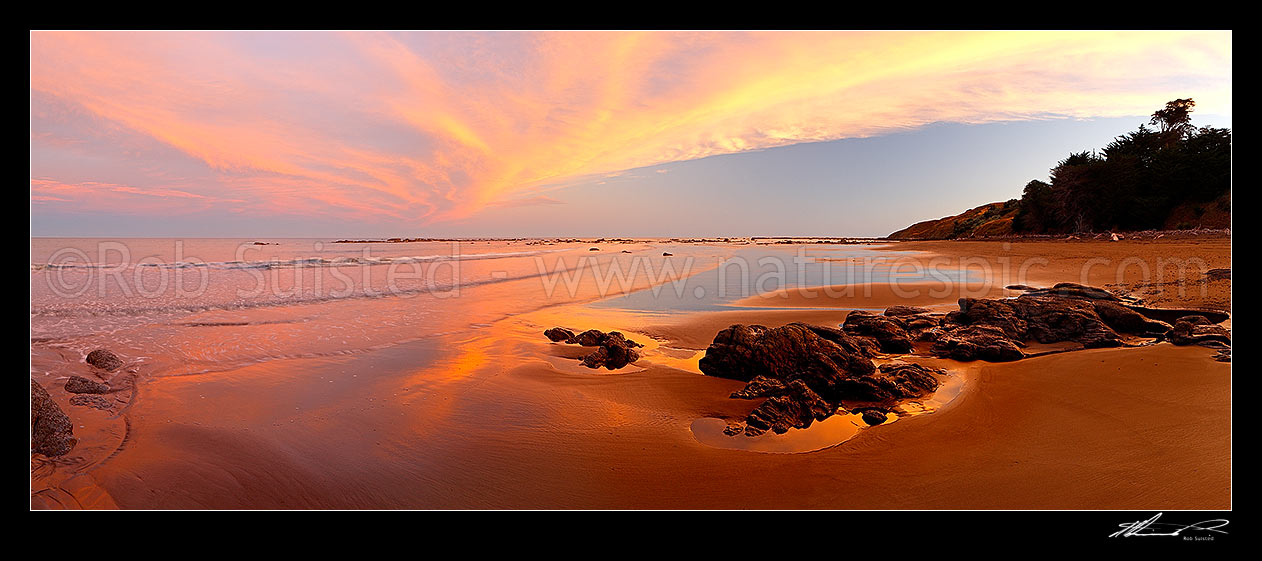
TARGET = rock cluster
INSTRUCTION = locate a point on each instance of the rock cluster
(806, 372)
(613, 350)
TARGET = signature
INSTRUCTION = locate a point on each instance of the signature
(1151, 527)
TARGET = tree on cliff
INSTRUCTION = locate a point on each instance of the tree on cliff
(1176, 117)
(1135, 182)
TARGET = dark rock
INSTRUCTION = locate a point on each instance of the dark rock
(1223, 355)
(559, 334)
(872, 416)
(1218, 274)
(104, 359)
(922, 323)
(905, 310)
(93, 401)
(977, 342)
(893, 382)
(614, 349)
(667, 254)
(589, 338)
(594, 249)
(798, 407)
(890, 333)
(611, 356)
(819, 356)
(1172, 315)
(732, 430)
(760, 386)
(79, 384)
(1074, 290)
(1126, 320)
(1197, 330)
(51, 431)
(1044, 318)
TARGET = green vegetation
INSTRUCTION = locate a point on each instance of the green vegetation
(1140, 181)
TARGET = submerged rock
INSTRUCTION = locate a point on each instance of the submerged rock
(51, 431)
(104, 359)
(79, 384)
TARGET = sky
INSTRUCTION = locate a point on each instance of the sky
(572, 133)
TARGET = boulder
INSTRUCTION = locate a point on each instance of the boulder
(104, 359)
(559, 334)
(79, 384)
(819, 356)
(51, 432)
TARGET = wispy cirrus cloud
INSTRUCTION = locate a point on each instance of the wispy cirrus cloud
(415, 128)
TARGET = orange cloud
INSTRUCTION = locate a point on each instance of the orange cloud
(437, 126)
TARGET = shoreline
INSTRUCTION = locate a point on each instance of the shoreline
(495, 417)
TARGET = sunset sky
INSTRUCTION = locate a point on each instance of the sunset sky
(329, 134)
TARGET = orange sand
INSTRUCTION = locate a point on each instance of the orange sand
(501, 418)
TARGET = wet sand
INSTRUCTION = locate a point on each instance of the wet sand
(501, 418)
(1167, 273)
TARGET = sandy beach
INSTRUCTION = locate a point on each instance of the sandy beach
(495, 416)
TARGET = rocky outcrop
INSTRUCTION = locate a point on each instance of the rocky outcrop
(104, 359)
(807, 372)
(997, 330)
(613, 351)
(51, 431)
(79, 384)
(1197, 330)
